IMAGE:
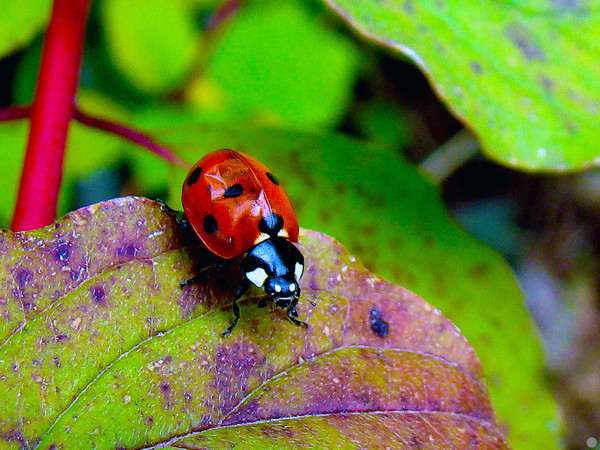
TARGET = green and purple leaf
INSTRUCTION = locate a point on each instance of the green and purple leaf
(100, 345)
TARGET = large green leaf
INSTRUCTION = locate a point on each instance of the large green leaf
(153, 42)
(100, 347)
(394, 221)
(20, 21)
(277, 60)
(523, 75)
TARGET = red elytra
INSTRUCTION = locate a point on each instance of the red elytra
(225, 196)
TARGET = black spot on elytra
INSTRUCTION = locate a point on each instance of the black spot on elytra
(210, 224)
(270, 224)
(379, 327)
(98, 294)
(273, 178)
(234, 191)
(194, 176)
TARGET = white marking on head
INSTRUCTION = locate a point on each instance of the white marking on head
(277, 288)
(298, 271)
(257, 276)
(283, 233)
(292, 287)
(261, 237)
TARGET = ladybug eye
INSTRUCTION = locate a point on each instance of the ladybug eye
(273, 179)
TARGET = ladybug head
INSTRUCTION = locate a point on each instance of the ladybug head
(282, 290)
(275, 265)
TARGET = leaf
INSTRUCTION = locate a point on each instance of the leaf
(20, 21)
(388, 215)
(154, 43)
(279, 62)
(523, 75)
(101, 347)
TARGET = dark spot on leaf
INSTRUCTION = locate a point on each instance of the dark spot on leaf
(378, 326)
(523, 39)
(270, 224)
(28, 305)
(15, 436)
(127, 251)
(234, 191)
(414, 442)
(165, 387)
(479, 271)
(210, 224)
(62, 337)
(566, 5)
(547, 83)
(476, 67)
(63, 251)
(149, 421)
(194, 176)
(233, 366)
(273, 178)
(98, 294)
(22, 277)
(187, 396)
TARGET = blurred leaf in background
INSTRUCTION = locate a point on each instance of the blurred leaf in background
(154, 43)
(277, 61)
(501, 67)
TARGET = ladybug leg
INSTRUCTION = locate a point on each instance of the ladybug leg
(236, 313)
(236, 309)
(201, 274)
(183, 221)
(292, 314)
(181, 218)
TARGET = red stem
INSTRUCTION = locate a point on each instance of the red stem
(130, 135)
(15, 112)
(50, 115)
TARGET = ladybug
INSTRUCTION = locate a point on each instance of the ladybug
(236, 206)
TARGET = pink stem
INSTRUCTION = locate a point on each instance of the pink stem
(50, 115)
(129, 134)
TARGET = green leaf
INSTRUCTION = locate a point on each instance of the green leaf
(20, 21)
(523, 75)
(394, 221)
(113, 352)
(278, 61)
(153, 42)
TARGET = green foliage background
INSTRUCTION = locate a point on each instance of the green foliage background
(281, 67)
